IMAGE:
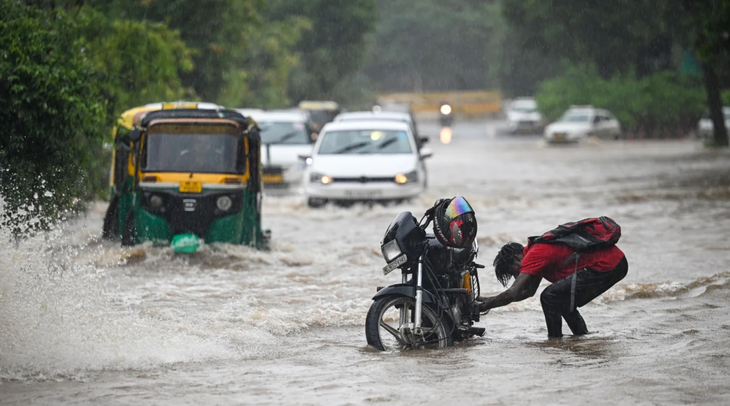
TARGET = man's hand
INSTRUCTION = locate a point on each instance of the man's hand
(524, 286)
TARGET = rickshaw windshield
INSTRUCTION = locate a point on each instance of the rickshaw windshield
(202, 149)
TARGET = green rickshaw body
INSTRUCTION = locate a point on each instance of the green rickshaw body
(192, 175)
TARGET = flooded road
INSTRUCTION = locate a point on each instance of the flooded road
(84, 321)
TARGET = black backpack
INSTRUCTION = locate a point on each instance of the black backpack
(587, 235)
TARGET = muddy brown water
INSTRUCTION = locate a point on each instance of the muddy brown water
(84, 321)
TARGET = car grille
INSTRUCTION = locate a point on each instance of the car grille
(364, 179)
(273, 170)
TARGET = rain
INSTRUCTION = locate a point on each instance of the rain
(195, 198)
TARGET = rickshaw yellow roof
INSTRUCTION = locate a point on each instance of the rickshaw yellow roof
(127, 118)
(130, 117)
(318, 105)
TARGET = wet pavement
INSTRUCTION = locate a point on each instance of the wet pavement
(84, 321)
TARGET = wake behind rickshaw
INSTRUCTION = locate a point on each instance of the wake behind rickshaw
(182, 175)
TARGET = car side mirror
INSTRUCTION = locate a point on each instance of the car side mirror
(426, 153)
(424, 140)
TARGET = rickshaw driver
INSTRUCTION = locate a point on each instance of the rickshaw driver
(201, 156)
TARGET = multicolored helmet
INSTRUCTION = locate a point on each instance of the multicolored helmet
(455, 224)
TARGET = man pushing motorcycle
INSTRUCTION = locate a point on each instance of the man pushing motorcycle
(581, 260)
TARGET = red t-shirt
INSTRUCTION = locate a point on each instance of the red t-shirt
(549, 260)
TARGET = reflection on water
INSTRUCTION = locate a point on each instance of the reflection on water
(445, 135)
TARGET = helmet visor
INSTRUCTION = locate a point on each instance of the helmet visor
(457, 207)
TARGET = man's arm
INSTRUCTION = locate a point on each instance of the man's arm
(524, 286)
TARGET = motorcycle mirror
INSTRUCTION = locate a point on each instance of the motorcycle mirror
(424, 140)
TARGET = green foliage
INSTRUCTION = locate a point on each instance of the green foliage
(652, 104)
(52, 115)
(136, 62)
(332, 49)
(218, 32)
(264, 80)
(618, 36)
(726, 98)
(435, 45)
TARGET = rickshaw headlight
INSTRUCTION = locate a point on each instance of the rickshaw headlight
(156, 201)
(224, 203)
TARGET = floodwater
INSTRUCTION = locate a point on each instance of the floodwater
(85, 321)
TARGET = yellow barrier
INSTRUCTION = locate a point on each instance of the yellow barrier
(468, 103)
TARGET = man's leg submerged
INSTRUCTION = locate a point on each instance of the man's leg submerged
(556, 298)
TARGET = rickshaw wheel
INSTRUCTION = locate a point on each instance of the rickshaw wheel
(128, 232)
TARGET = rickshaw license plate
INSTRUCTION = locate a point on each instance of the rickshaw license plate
(191, 187)
(273, 178)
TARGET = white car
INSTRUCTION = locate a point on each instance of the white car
(285, 135)
(365, 161)
(523, 116)
(705, 127)
(580, 122)
(383, 115)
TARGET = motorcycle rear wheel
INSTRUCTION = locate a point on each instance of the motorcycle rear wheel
(382, 325)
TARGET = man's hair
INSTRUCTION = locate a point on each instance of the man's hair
(504, 260)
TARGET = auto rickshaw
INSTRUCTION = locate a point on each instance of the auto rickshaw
(182, 175)
(321, 112)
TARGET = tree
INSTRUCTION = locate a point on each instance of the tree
(218, 32)
(333, 47)
(52, 113)
(710, 20)
(136, 62)
(617, 36)
(435, 45)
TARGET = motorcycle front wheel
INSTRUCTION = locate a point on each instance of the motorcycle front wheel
(383, 328)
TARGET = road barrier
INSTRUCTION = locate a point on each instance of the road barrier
(464, 103)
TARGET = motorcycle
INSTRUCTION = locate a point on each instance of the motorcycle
(446, 115)
(437, 305)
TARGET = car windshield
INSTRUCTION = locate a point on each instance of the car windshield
(524, 108)
(365, 142)
(374, 118)
(287, 133)
(575, 118)
(193, 149)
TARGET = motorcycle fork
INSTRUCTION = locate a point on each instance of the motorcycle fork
(419, 297)
(411, 331)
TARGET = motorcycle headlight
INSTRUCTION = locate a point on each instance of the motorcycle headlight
(403, 178)
(445, 109)
(390, 250)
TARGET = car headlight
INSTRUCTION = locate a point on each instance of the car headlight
(390, 250)
(403, 178)
(224, 203)
(315, 177)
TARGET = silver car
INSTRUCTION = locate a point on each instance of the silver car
(579, 122)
